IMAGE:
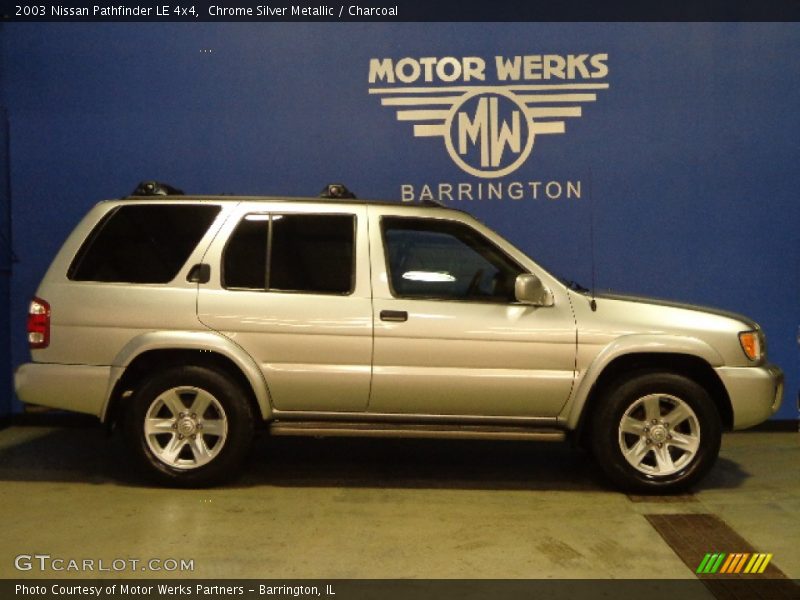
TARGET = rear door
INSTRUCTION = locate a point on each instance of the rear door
(292, 288)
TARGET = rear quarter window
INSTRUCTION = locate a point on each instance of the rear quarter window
(147, 243)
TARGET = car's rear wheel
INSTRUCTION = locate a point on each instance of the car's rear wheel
(656, 433)
(189, 426)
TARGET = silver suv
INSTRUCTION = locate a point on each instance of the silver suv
(192, 321)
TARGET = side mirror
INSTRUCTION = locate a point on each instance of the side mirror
(529, 289)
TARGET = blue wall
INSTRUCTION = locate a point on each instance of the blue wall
(692, 151)
(5, 267)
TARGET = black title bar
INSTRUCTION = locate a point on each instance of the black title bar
(400, 11)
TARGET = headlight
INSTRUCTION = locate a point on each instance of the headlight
(751, 344)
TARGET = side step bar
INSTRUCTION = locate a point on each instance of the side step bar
(403, 430)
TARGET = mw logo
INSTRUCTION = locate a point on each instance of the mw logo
(489, 134)
(489, 131)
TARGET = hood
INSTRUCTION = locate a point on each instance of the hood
(682, 305)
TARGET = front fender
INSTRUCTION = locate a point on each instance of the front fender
(630, 345)
(208, 341)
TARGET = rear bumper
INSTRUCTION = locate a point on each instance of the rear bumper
(79, 388)
(755, 393)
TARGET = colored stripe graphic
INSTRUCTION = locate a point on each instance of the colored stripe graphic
(765, 563)
(718, 563)
(727, 564)
(703, 563)
(758, 563)
(711, 563)
(734, 563)
(738, 562)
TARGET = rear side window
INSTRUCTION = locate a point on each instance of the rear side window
(147, 243)
(292, 253)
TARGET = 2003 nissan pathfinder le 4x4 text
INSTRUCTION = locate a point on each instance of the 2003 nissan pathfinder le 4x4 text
(191, 321)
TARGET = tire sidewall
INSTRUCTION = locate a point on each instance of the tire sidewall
(620, 397)
(240, 423)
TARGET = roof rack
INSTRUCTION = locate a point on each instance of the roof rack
(337, 191)
(154, 188)
(332, 191)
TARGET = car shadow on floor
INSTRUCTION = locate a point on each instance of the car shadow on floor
(87, 454)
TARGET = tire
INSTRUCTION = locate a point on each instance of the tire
(656, 433)
(189, 426)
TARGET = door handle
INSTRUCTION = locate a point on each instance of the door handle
(396, 316)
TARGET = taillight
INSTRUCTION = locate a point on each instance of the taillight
(38, 324)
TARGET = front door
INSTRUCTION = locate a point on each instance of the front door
(450, 338)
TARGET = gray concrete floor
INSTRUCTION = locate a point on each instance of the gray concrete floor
(339, 508)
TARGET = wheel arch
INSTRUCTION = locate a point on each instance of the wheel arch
(162, 350)
(689, 365)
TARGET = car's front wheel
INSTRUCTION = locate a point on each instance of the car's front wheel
(656, 432)
(189, 426)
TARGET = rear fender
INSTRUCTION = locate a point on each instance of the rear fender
(203, 341)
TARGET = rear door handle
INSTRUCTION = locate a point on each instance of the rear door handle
(396, 316)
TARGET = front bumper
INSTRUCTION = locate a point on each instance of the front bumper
(755, 393)
(79, 388)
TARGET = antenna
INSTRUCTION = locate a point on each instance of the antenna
(592, 302)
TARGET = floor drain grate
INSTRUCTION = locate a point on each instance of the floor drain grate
(720, 556)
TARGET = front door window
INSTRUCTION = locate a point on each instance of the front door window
(446, 260)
